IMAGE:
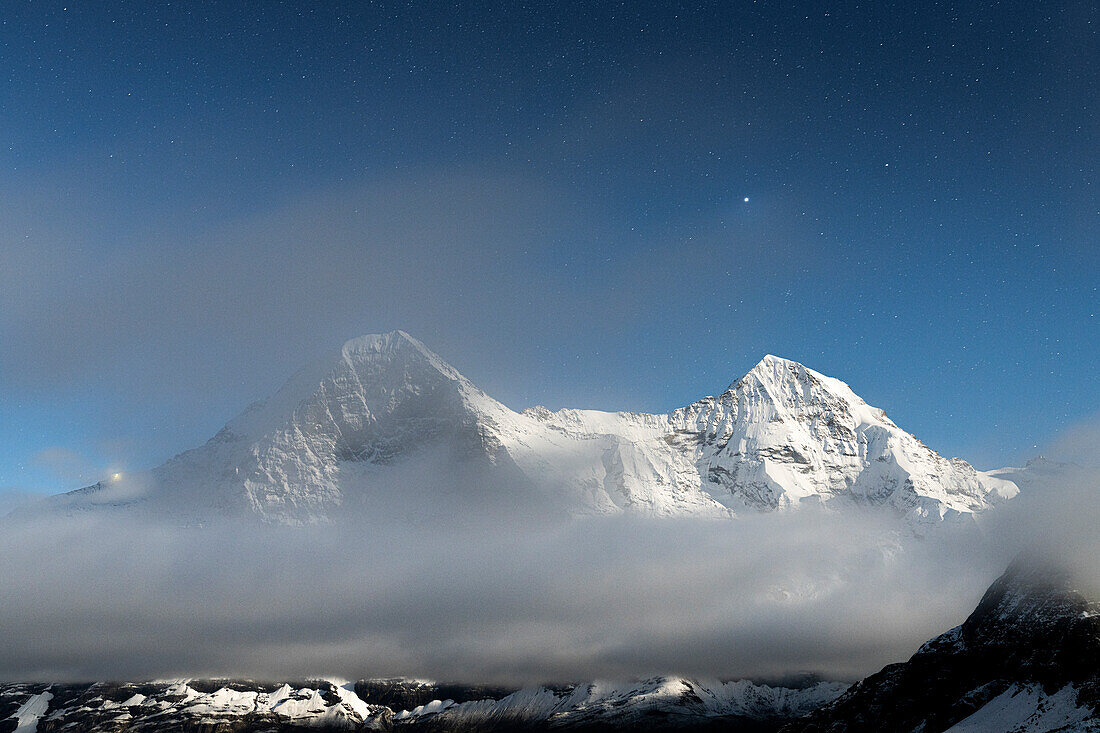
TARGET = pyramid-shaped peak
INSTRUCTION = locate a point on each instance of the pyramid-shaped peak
(1035, 590)
(381, 342)
(771, 362)
(365, 372)
(778, 380)
(777, 370)
(394, 346)
(773, 359)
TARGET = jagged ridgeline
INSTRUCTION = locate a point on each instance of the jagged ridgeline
(383, 412)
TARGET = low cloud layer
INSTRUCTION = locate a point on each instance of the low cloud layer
(431, 583)
(1079, 444)
(761, 597)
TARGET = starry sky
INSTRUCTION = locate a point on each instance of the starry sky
(610, 205)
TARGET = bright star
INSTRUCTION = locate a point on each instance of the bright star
(746, 199)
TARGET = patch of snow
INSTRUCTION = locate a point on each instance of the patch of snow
(1027, 709)
(27, 716)
(346, 693)
(430, 708)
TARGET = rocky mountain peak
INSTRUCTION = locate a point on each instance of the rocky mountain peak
(1025, 659)
(1032, 598)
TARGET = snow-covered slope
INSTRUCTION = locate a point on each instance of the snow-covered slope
(350, 427)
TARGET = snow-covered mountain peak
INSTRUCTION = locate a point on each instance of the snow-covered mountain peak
(774, 367)
(395, 346)
(785, 433)
(791, 385)
(385, 369)
(780, 435)
(771, 363)
(373, 401)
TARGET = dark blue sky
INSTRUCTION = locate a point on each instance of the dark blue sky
(198, 199)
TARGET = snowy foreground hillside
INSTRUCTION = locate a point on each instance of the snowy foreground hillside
(352, 427)
(376, 705)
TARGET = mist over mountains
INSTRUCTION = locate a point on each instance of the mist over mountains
(381, 516)
(749, 379)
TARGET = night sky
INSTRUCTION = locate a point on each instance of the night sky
(618, 206)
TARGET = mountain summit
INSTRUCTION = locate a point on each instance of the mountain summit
(1027, 659)
(784, 433)
(383, 413)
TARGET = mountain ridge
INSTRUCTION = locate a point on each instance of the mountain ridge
(780, 436)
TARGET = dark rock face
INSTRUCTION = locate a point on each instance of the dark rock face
(400, 694)
(1030, 630)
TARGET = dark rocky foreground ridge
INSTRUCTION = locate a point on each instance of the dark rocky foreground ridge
(1026, 660)
(222, 706)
